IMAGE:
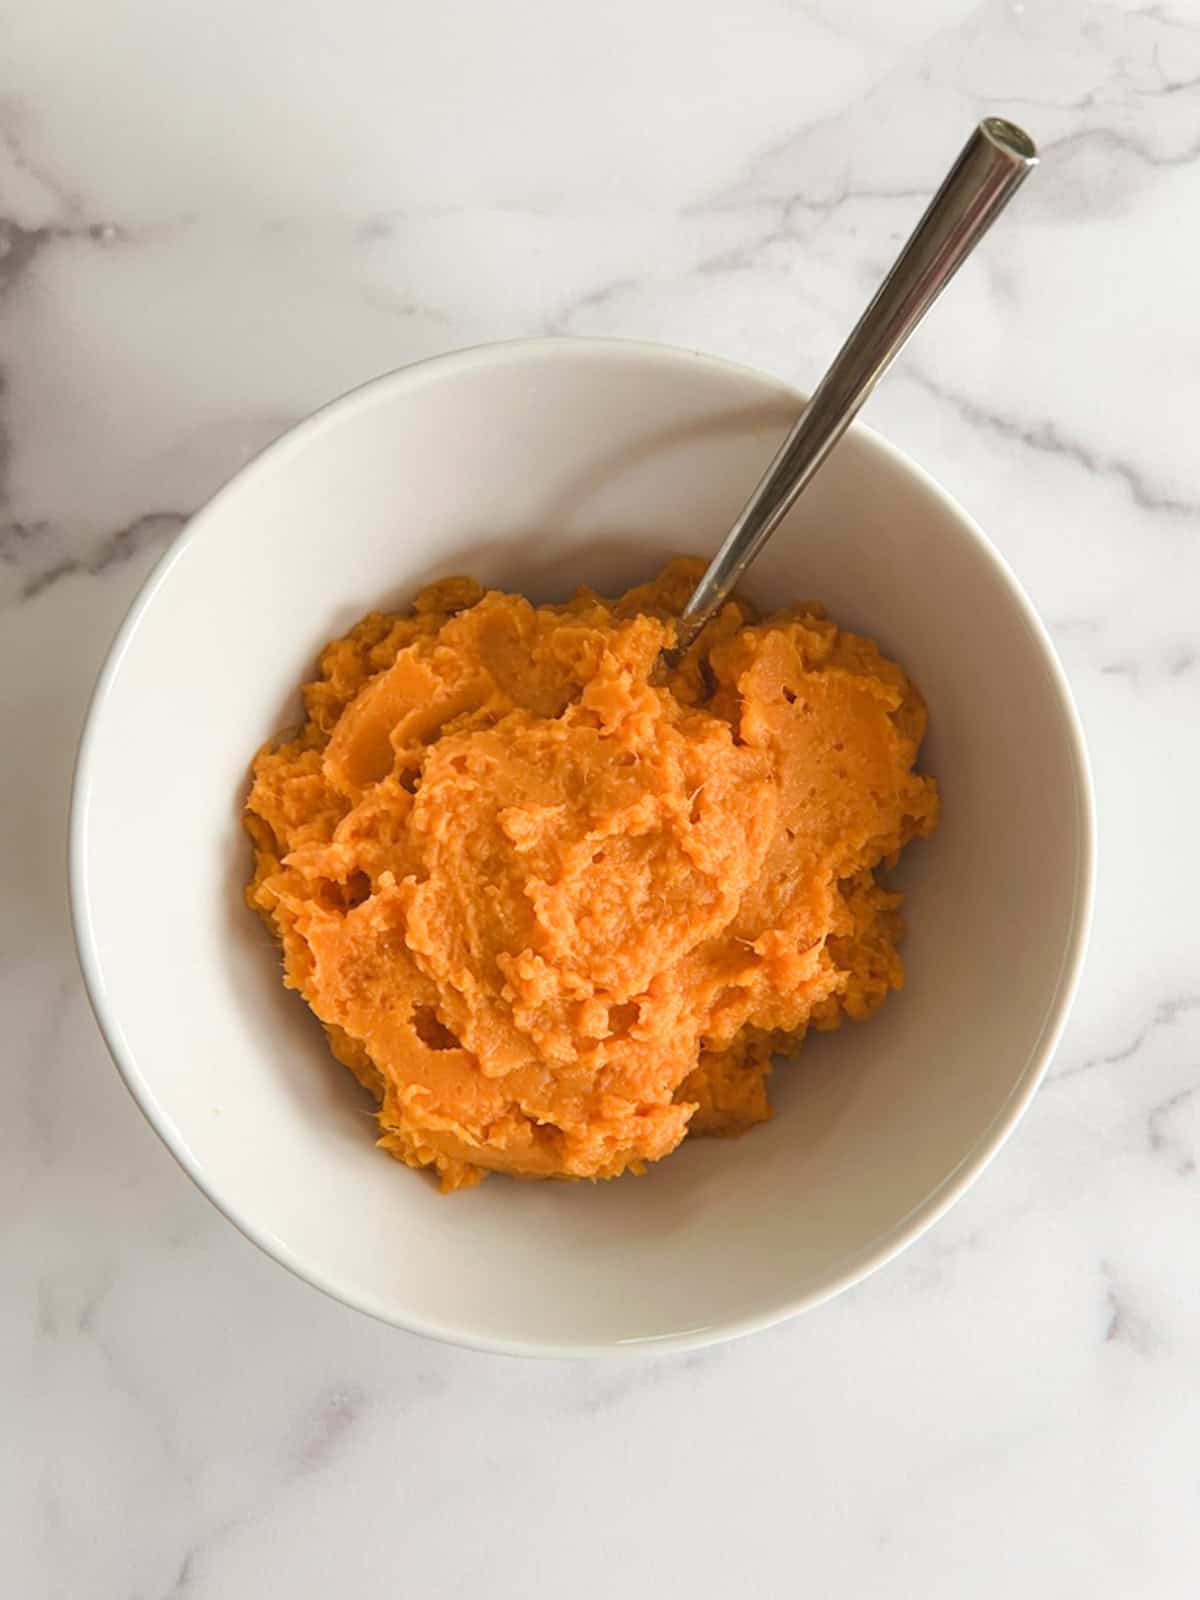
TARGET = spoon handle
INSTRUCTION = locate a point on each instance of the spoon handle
(994, 162)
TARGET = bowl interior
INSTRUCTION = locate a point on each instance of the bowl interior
(538, 467)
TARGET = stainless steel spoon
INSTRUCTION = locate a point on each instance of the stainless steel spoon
(994, 162)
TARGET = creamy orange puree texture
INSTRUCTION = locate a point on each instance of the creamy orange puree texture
(556, 915)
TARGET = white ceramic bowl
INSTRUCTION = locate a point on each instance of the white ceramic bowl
(538, 466)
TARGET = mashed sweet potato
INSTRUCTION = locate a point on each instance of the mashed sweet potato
(555, 914)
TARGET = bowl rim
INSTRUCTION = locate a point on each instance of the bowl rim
(908, 1228)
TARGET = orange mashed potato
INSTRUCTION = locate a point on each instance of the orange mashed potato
(556, 914)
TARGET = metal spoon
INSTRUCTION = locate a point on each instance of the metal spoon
(994, 162)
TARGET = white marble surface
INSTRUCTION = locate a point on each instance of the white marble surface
(217, 215)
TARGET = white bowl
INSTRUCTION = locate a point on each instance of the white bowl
(539, 466)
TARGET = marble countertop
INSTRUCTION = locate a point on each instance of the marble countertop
(213, 217)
